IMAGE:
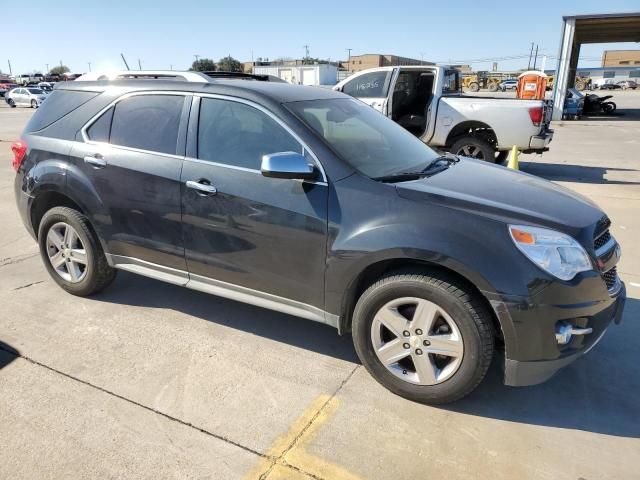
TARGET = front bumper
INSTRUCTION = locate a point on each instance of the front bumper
(525, 369)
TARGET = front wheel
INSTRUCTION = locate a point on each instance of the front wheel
(34, 104)
(72, 253)
(425, 337)
(12, 104)
(474, 147)
(609, 107)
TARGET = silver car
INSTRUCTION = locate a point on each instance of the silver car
(25, 97)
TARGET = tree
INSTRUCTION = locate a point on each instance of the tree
(59, 70)
(229, 64)
(203, 65)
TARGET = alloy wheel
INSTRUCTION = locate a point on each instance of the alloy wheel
(472, 151)
(417, 341)
(66, 252)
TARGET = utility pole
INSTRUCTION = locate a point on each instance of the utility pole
(535, 59)
(125, 61)
(47, 65)
(139, 65)
(530, 54)
(421, 58)
(60, 62)
(349, 60)
(89, 63)
(197, 57)
(9, 62)
(171, 67)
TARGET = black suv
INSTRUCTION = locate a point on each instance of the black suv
(308, 202)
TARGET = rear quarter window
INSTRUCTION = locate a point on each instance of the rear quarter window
(58, 104)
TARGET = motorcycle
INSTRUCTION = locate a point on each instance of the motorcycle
(595, 104)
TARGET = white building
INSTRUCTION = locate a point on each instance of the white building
(320, 74)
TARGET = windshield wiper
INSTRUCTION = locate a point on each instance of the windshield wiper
(437, 165)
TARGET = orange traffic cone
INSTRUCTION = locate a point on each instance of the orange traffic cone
(513, 159)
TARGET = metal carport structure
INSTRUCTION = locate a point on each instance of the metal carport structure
(579, 29)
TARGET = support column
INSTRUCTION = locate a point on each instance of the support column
(563, 67)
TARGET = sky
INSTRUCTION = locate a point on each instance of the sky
(163, 34)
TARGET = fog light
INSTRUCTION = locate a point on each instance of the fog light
(564, 332)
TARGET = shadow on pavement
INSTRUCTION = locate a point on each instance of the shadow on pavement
(575, 173)
(130, 289)
(7, 354)
(598, 393)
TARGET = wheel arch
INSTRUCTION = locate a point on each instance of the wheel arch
(471, 127)
(372, 272)
(46, 200)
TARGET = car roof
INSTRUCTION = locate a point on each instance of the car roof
(272, 91)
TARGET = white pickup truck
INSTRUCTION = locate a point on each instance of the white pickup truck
(426, 100)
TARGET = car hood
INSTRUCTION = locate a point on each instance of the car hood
(504, 194)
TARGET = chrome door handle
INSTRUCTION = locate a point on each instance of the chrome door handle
(96, 161)
(201, 187)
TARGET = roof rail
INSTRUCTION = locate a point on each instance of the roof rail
(195, 77)
(242, 75)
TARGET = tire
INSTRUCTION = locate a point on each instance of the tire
(493, 87)
(474, 87)
(474, 147)
(72, 275)
(12, 103)
(609, 107)
(450, 377)
(502, 156)
(34, 104)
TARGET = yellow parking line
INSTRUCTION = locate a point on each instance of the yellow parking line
(289, 450)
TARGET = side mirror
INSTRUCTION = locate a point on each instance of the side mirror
(289, 165)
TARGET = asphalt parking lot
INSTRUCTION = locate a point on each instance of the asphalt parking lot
(149, 380)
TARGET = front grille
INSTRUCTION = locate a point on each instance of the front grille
(603, 224)
(602, 239)
(610, 278)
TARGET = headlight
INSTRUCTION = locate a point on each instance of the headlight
(552, 251)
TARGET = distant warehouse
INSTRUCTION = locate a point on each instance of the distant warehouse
(301, 74)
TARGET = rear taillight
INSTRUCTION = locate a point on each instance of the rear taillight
(19, 149)
(537, 115)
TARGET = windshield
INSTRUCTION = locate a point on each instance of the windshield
(363, 137)
(35, 91)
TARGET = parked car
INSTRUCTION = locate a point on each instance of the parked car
(609, 86)
(308, 202)
(25, 97)
(510, 84)
(6, 86)
(426, 100)
(625, 84)
(47, 87)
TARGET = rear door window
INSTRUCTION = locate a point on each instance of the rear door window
(100, 130)
(147, 122)
(369, 85)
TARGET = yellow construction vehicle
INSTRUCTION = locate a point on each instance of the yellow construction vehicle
(478, 80)
(580, 83)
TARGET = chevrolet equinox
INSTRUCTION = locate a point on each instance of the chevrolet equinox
(307, 201)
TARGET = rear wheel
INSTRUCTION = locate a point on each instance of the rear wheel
(474, 87)
(72, 253)
(609, 107)
(493, 87)
(427, 338)
(474, 147)
(34, 104)
(12, 104)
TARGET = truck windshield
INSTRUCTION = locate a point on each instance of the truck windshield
(363, 137)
